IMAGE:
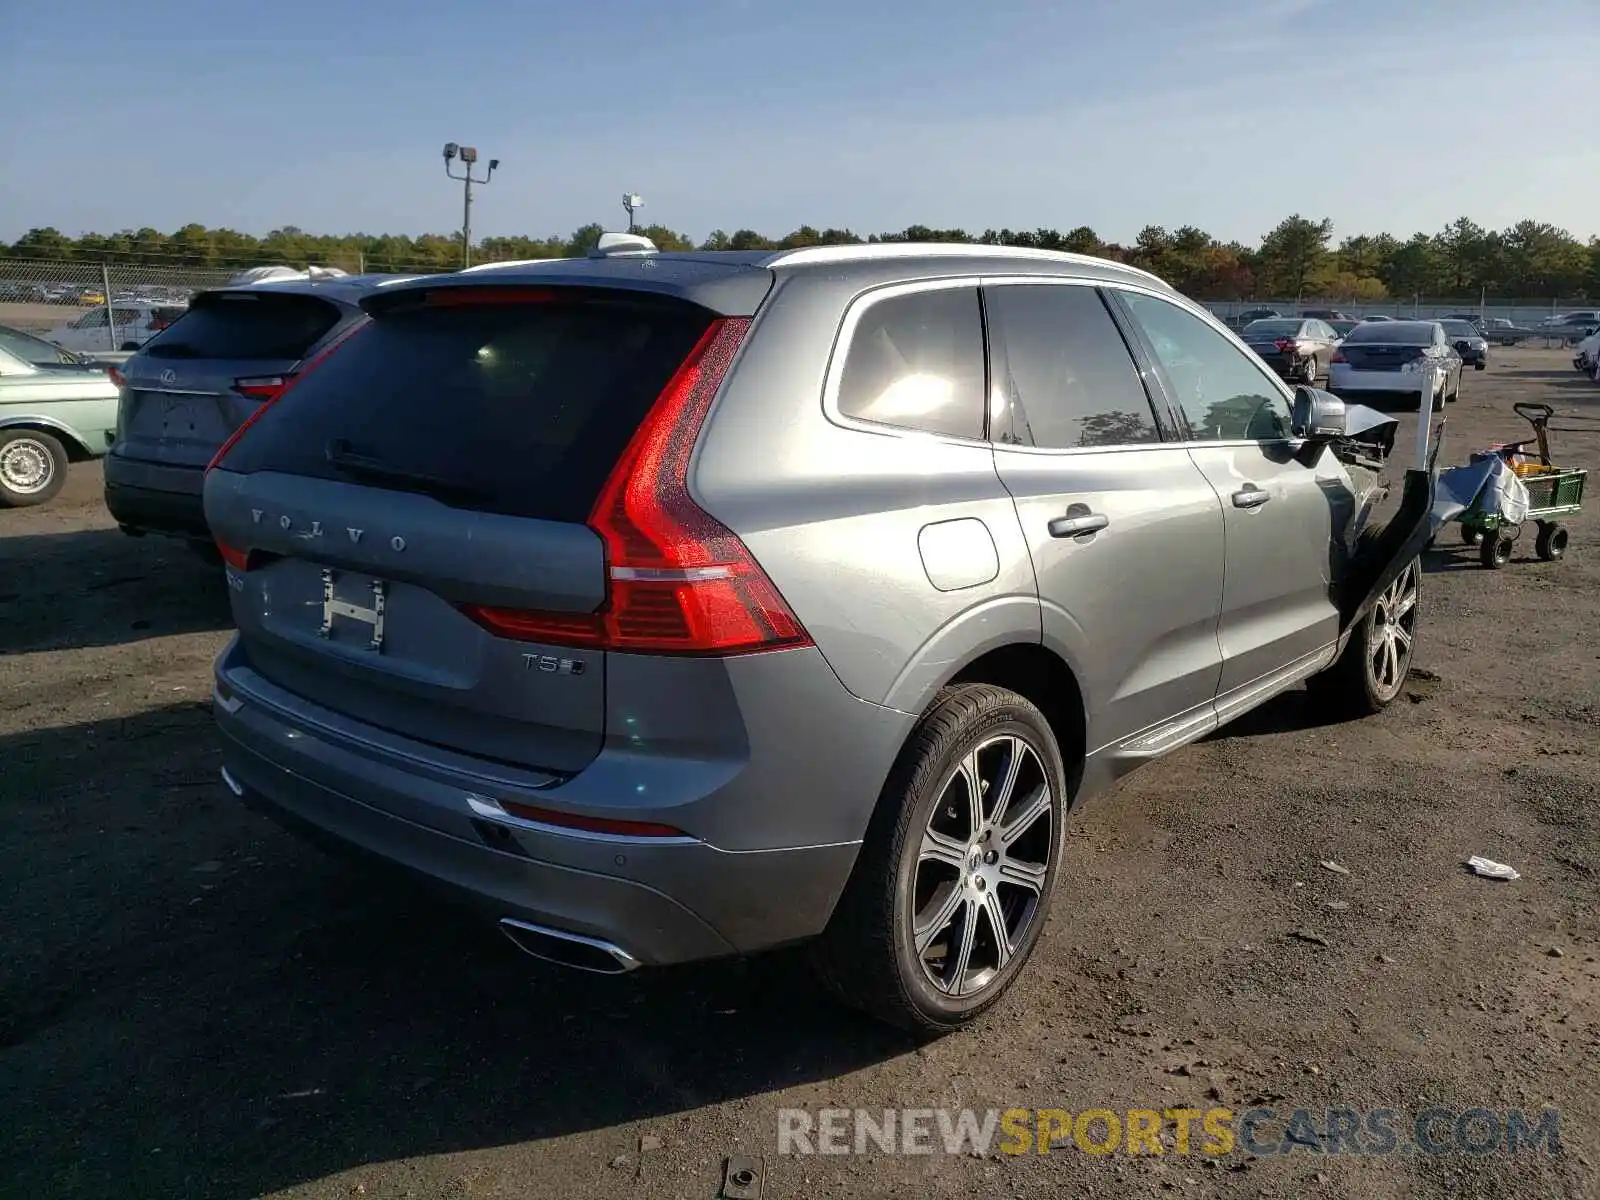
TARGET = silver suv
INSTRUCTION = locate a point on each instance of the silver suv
(673, 606)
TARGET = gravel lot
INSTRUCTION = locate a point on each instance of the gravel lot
(194, 1004)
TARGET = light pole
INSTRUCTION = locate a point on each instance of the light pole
(632, 202)
(468, 156)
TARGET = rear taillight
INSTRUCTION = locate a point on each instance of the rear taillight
(679, 582)
(116, 377)
(233, 557)
(284, 386)
(1338, 356)
(262, 388)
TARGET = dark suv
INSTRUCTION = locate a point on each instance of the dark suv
(680, 605)
(193, 384)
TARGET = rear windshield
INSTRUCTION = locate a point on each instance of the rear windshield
(1394, 333)
(1460, 328)
(1274, 328)
(512, 408)
(245, 326)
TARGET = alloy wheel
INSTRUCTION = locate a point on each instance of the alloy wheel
(982, 865)
(26, 466)
(1394, 624)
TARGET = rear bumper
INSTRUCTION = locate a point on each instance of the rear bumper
(660, 900)
(1346, 383)
(152, 497)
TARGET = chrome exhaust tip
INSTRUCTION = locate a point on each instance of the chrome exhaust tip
(568, 949)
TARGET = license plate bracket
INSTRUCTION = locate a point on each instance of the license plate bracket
(334, 606)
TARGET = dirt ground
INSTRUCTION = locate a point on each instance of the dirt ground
(192, 1004)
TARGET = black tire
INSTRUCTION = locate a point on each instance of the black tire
(868, 955)
(1359, 684)
(1552, 541)
(1480, 365)
(1471, 536)
(1494, 551)
(1308, 374)
(33, 467)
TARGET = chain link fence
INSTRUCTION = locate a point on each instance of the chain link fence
(97, 307)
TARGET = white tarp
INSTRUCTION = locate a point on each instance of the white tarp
(1488, 483)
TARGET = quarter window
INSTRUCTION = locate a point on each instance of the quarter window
(916, 361)
(1063, 377)
(1223, 394)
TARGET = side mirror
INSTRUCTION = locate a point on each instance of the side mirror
(1318, 415)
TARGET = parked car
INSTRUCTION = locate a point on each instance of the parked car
(187, 390)
(1473, 318)
(1385, 359)
(1256, 314)
(42, 354)
(1468, 341)
(49, 419)
(1501, 330)
(1376, 317)
(532, 575)
(135, 325)
(1588, 355)
(1324, 314)
(1300, 350)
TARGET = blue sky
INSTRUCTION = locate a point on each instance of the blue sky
(1382, 114)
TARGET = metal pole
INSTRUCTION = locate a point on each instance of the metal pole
(111, 314)
(466, 223)
(1425, 417)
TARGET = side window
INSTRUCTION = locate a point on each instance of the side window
(916, 361)
(1223, 394)
(1063, 377)
(94, 319)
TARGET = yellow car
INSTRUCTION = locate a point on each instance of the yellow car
(92, 298)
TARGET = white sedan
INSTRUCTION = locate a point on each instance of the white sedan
(136, 323)
(1391, 359)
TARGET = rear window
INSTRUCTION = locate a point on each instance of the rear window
(1395, 333)
(235, 326)
(1274, 328)
(1460, 328)
(519, 408)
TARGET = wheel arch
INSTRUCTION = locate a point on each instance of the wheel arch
(1042, 677)
(77, 449)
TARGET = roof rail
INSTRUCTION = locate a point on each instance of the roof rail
(866, 252)
(622, 245)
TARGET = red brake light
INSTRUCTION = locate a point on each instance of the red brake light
(1338, 356)
(117, 377)
(284, 384)
(239, 559)
(679, 581)
(264, 388)
(477, 296)
(1284, 345)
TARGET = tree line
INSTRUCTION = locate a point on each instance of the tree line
(1297, 258)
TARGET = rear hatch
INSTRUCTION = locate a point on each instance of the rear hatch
(195, 383)
(441, 462)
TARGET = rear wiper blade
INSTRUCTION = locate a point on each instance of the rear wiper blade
(342, 458)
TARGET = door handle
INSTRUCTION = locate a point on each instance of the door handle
(1078, 524)
(1250, 496)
